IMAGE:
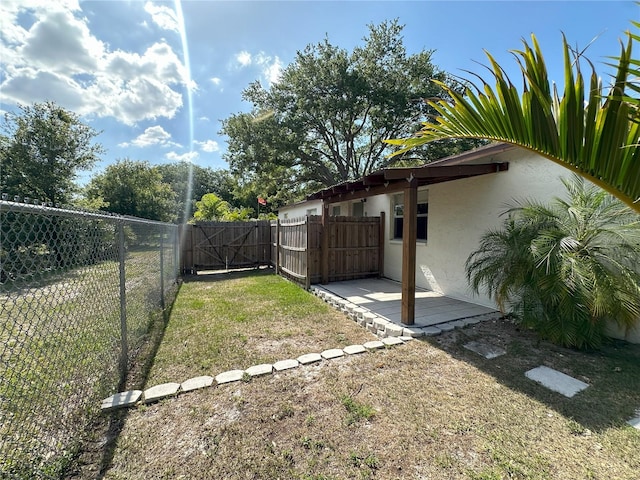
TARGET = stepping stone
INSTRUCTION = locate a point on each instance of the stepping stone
(196, 383)
(556, 381)
(412, 332)
(484, 349)
(458, 324)
(381, 323)
(285, 365)
(373, 345)
(121, 400)
(431, 331)
(472, 320)
(404, 338)
(635, 422)
(230, 376)
(359, 312)
(260, 370)
(309, 358)
(159, 392)
(332, 353)
(354, 349)
(446, 327)
(369, 317)
(390, 341)
(393, 330)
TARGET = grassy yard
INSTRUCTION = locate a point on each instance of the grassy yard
(427, 409)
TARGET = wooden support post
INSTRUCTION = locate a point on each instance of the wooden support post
(381, 242)
(277, 246)
(307, 282)
(324, 249)
(409, 234)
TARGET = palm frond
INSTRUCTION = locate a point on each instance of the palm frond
(587, 130)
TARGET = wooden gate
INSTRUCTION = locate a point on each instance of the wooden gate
(225, 245)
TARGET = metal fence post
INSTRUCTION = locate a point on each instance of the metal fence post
(162, 271)
(124, 345)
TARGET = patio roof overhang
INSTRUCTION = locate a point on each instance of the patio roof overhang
(407, 180)
(391, 180)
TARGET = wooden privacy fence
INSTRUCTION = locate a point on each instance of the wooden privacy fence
(225, 245)
(302, 249)
(343, 248)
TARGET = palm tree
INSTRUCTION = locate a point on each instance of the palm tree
(564, 269)
(586, 130)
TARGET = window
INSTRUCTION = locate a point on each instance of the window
(422, 214)
(357, 209)
(312, 211)
(335, 212)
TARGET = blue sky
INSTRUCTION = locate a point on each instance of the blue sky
(122, 65)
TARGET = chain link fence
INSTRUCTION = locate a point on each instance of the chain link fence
(78, 292)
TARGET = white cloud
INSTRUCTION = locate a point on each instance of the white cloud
(243, 58)
(152, 136)
(163, 16)
(58, 58)
(204, 118)
(271, 66)
(208, 145)
(216, 81)
(272, 71)
(185, 157)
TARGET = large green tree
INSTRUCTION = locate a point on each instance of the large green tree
(564, 268)
(590, 130)
(190, 182)
(42, 149)
(133, 187)
(325, 120)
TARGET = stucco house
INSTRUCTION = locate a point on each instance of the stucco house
(455, 200)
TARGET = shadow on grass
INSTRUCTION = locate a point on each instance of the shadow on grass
(98, 453)
(612, 372)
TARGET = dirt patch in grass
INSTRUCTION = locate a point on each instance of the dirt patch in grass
(427, 409)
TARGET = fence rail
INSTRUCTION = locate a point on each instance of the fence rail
(77, 293)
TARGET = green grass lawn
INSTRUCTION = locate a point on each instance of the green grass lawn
(60, 353)
(427, 409)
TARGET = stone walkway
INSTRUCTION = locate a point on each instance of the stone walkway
(390, 334)
(158, 392)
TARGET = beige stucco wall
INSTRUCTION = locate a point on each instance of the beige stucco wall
(299, 210)
(459, 213)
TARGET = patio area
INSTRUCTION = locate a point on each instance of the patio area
(383, 297)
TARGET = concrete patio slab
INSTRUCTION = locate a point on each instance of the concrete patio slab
(159, 392)
(556, 381)
(382, 297)
(196, 383)
(121, 400)
(484, 349)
